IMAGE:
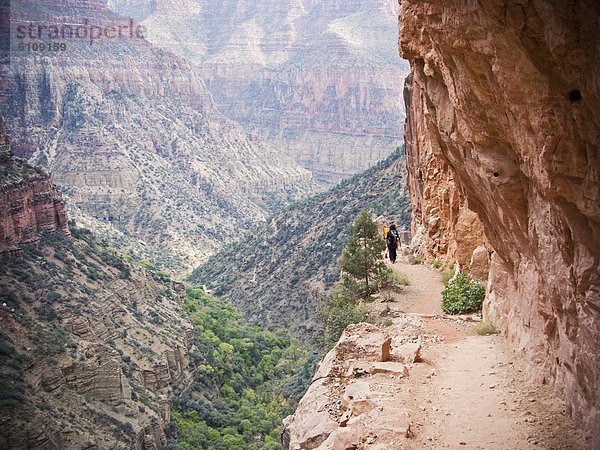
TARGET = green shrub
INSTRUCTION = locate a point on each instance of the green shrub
(115, 260)
(161, 276)
(388, 297)
(485, 328)
(247, 380)
(342, 309)
(462, 295)
(401, 279)
(387, 323)
(416, 259)
(362, 256)
(393, 280)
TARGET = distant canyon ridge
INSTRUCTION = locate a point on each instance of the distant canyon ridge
(319, 80)
(171, 145)
(133, 138)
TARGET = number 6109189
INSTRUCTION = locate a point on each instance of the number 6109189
(42, 47)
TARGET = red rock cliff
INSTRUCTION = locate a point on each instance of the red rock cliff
(444, 228)
(506, 121)
(29, 202)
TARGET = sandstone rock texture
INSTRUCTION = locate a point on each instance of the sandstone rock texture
(351, 401)
(442, 225)
(316, 79)
(505, 100)
(29, 202)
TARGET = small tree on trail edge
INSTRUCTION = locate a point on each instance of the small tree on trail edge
(340, 310)
(365, 272)
(362, 258)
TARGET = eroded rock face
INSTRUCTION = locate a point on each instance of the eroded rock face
(29, 202)
(93, 350)
(442, 225)
(351, 398)
(97, 367)
(317, 79)
(131, 134)
(508, 101)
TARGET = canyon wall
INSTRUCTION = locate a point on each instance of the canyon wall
(94, 362)
(30, 203)
(316, 79)
(505, 94)
(131, 134)
(443, 227)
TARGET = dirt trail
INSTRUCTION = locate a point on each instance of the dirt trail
(468, 391)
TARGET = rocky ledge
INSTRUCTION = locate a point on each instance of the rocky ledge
(352, 396)
(505, 95)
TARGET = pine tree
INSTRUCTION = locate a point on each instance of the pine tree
(362, 258)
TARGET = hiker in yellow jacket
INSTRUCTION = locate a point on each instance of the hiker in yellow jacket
(386, 230)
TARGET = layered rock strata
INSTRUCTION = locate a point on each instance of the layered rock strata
(314, 78)
(89, 362)
(131, 134)
(93, 349)
(30, 203)
(506, 94)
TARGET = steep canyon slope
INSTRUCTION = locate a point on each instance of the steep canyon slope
(505, 100)
(317, 79)
(279, 274)
(93, 349)
(131, 134)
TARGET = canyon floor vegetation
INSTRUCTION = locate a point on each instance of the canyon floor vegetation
(247, 380)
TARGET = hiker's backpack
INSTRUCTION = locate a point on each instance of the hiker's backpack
(392, 238)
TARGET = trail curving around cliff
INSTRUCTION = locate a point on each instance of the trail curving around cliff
(422, 379)
(469, 391)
